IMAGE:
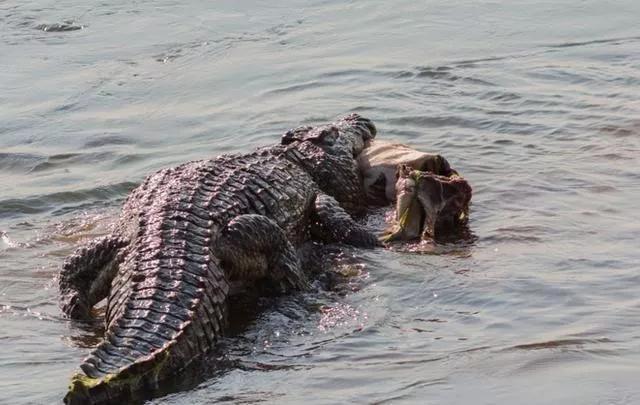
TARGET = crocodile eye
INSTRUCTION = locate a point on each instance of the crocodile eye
(324, 135)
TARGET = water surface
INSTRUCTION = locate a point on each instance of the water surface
(535, 102)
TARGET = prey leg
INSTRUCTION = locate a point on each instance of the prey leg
(253, 247)
(86, 275)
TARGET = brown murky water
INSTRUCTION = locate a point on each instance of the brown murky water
(535, 102)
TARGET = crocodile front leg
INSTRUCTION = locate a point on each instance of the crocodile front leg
(253, 247)
(331, 223)
(86, 275)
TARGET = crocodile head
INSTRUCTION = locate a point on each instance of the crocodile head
(349, 135)
(328, 153)
(428, 204)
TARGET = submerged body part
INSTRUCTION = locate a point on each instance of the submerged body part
(189, 233)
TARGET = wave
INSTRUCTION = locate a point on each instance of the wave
(62, 202)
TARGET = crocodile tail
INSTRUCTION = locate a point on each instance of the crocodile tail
(164, 324)
(86, 275)
(167, 304)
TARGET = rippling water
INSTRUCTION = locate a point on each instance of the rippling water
(535, 102)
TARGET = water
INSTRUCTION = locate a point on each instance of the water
(535, 102)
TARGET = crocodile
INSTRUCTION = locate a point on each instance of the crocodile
(428, 205)
(191, 235)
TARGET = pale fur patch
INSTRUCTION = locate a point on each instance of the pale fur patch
(383, 158)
